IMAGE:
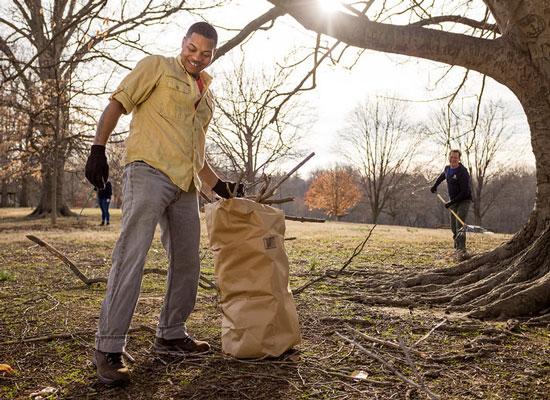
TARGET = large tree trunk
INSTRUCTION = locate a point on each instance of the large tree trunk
(44, 208)
(513, 280)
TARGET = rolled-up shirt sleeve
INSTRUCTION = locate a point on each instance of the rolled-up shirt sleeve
(136, 87)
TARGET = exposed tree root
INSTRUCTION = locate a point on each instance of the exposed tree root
(511, 281)
(43, 212)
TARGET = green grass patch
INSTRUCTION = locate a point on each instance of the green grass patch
(6, 276)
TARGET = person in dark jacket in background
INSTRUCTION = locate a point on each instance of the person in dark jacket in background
(460, 198)
(104, 199)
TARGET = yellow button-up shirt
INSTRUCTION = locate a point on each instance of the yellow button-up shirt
(167, 130)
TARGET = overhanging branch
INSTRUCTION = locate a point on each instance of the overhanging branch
(416, 41)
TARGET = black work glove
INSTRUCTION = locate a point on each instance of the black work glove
(448, 204)
(433, 189)
(97, 169)
(225, 188)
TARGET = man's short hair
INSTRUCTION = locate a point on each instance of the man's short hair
(203, 29)
(455, 151)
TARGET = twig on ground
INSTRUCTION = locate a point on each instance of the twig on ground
(372, 354)
(328, 273)
(540, 319)
(410, 362)
(355, 253)
(204, 282)
(443, 321)
(385, 342)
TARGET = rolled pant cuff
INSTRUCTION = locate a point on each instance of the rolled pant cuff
(110, 344)
(172, 332)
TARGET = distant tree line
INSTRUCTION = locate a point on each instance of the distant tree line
(414, 205)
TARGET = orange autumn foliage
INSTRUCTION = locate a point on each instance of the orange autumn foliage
(333, 191)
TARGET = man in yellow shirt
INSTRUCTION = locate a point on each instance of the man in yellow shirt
(165, 167)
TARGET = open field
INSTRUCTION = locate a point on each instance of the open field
(461, 359)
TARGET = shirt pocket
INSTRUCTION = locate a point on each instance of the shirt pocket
(174, 98)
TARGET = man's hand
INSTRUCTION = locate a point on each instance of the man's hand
(225, 188)
(448, 204)
(433, 189)
(97, 169)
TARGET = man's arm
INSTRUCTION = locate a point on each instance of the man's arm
(208, 175)
(439, 179)
(97, 168)
(221, 188)
(107, 122)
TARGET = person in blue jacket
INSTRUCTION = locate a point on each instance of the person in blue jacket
(460, 198)
(104, 199)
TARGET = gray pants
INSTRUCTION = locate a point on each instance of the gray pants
(149, 198)
(461, 209)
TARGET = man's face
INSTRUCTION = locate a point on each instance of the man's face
(197, 52)
(454, 159)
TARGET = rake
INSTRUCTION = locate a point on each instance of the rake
(462, 230)
(86, 203)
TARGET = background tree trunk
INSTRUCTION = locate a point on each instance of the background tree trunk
(4, 188)
(44, 207)
(24, 192)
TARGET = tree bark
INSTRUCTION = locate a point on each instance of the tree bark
(44, 207)
(24, 192)
(4, 189)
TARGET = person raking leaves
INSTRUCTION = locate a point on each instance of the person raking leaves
(460, 198)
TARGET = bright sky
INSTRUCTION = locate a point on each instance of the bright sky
(338, 89)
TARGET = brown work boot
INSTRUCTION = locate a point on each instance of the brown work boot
(180, 346)
(110, 368)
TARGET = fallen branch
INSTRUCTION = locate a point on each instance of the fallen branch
(278, 201)
(205, 284)
(372, 354)
(303, 219)
(328, 273)
(386, 343)
(349, 321)
(407, 351)
(540, 319)
(61, 256)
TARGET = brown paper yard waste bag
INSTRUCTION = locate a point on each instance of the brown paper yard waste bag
(258, 312)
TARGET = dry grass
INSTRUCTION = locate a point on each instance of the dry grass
(461, 359)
